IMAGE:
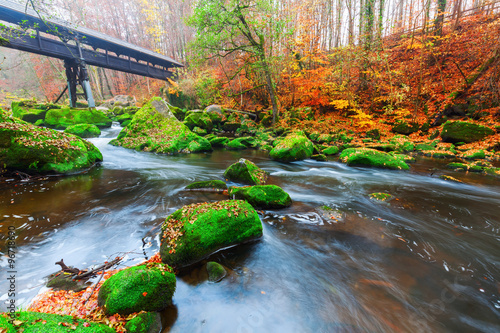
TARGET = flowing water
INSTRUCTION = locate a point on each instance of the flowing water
(335, 261)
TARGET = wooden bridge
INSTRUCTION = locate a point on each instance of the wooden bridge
(27, 30)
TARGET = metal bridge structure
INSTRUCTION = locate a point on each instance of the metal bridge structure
(31, 31)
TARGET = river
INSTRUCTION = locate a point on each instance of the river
(427, 261)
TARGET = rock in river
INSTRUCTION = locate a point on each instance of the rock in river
(262, 196)
(294, 147)
(372, 157)
(198, 230)
(140, 288)
(246, 172)
(32, 149)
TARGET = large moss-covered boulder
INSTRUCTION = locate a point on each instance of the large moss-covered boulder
(140, 288)
(30, 110)
(35, 150)
(84, 130)
(240, 143)
(198, 230)
(62, 118)
(262, 196)
(149, 322)
(462, 131)
(246, 172)
(294, 147)
(37, 322)
(372, 157)
(154, 128)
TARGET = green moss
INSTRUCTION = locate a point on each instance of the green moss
(149, 322)
(212, 184)
(474, 154)
(380, 196)
(198, 119)
(424, 147)
(371, 157)
(383, 147)
(32, 149)
(196, 231)
(219, 141)
(237, 144)
(216, 271)
(373, 134)
(246, 172)
(332, 150)
(457, 166)
(140, 288)
(231, 126)
(294, 147)
(37, 322)
(461, 131)
(123, 118)
(84, 130)
(262, 196)
(439, 154)
(62, 118)
(152, 131)
(402, 143)
(319, 157)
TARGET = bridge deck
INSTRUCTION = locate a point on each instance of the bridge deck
(138, 60)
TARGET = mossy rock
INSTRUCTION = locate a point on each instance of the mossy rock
(294, 147)
(461, 131)
(37, 150)
(424, 147)
(387, 147)
(195, 231)
(29, 115)
(373, 134)
(402, 127)
(216, 271)
(155, 129)
(245, 172)
(149, 322)
(84, 130)
(198, 119)
(209, 184)
(219, 141)
(404, 158)
(239, 143)
(319, 157)
(62, 118)
(231, 126)
(262, 196)
(474, 154)
(139, 288)
(403, 144)
(380, 196)
(372, 157)
(332, 150)
(199, 131)
(123, 118)
(458, 166)
(37, 322)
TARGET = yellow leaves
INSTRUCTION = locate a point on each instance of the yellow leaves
(340, 104)
(363, 119)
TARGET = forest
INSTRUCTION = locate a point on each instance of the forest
(313, 166)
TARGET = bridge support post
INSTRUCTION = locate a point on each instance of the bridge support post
(76, 73)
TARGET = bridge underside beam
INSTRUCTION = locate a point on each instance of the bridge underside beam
(20, 40)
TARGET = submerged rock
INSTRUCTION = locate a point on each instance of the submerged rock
(198, 230)
(159, 131)
(371, 157)
(84, 130)
(140, 288)
(62, 118)
(32, 149)
(294, 147)
(208, 184)
(246, 172)
(216, 271)
(27, 321)
(462, 131)
(262, 196)
(380, 196)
